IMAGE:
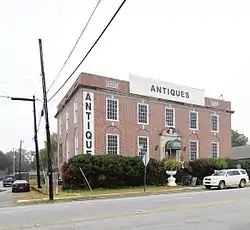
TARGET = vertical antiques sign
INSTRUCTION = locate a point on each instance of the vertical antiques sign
(88, 123)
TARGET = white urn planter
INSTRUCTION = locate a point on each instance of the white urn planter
(171, 179)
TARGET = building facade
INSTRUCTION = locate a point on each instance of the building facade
(101, 115)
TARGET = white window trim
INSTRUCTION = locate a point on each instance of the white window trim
(138, 147)
(75, 112)
(198, 152)
(60, 125)
(166, 125)
(218, 123)
(113, 99)
(218, 147)
(67, 122)
(76, 148)
(140, 123)
(118, 142)
(67, 149)
(197, 121)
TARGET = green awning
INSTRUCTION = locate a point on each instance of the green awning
(174, 144)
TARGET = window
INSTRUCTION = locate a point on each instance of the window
(170, 117)
(67, 121)
(60, 125)
(67, 149)
(75, 112)
(143, 146)
(193, 150)
(112, 109)
(60, 153)
(215, 149)
(142, 110)
(76, 141)
(214, 123)
(112, 144)
(193, 119)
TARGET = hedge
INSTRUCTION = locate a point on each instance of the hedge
(205, 167)
(111, 171)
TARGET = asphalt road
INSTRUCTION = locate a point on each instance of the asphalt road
(220, 210)
(6, 197)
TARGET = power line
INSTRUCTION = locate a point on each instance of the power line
(71, 52)
(3, 96)
(97, 40)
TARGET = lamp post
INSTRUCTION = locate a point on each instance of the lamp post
(33, 100)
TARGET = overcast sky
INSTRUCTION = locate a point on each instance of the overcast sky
(200, 43)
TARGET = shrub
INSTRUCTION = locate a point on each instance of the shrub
(111, 171)
(206, 167)
(172, 165)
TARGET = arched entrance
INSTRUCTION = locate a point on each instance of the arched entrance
(173, 148)
(170, 143)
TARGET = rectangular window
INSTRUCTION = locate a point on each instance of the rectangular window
(76, 141)
(67, 149)
(214, 123)
(142, 110)
(67, 121)
(215, 149)
(193, 150)
(193, 120)
(60, 125)
(75, 112)
(60, 153)
(170, 117)
(112, 109)
(112, 144)
(143, 146)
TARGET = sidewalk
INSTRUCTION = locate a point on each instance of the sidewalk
(108, 195)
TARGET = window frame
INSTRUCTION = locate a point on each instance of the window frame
(138, 147)
(75, 112)
(197, 120)
(67, 121)
(112, 99)
(60, 125)
(218, 148)
(211, 123)
(118, 143)
(76, 147)
(138, 114)
(165, 116)
(197, 152)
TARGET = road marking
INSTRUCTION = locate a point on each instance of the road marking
(136, 213)
(173, 199)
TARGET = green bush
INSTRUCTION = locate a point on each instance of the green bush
(206, 167)
(111, 171)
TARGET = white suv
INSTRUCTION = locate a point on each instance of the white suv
(227, 178)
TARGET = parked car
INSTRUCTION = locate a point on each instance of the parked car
(8, 180)
(227, 178)
(20, 186)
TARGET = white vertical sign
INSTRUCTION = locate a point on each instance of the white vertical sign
(88, 123)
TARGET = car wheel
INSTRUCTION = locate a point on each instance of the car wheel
(207, 187)
(242, 183)
(222, 185)
(4, 185)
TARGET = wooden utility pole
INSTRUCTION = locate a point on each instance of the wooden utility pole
(45, 105)
(20, 159)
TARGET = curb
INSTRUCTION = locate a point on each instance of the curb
(38, 190)
(106, 196)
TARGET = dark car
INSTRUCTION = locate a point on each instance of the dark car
(8, 180)
(20, 186)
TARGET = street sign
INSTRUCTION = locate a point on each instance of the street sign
(145, 159)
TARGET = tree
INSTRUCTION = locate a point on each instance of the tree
(238, 139)
(5, 161)
(43, 152)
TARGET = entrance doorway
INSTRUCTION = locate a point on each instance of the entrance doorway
(172, 149)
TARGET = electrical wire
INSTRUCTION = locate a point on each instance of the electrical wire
(91, 48)
(77, 41)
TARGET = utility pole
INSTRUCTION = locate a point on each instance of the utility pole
(20, 159)
(36, 145)
(45, 105)
(14, 162)
(33, 100)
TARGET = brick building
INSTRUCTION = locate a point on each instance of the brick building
(101, 115)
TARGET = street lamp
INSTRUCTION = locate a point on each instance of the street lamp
(33, 100)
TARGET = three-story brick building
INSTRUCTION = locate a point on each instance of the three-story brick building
(101, 115)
